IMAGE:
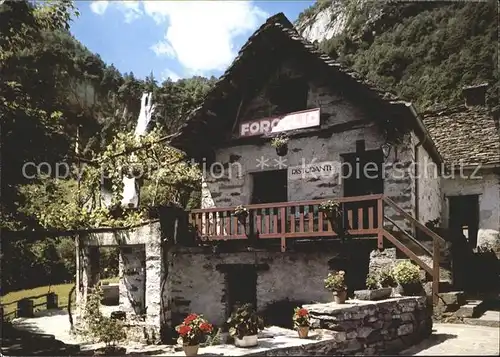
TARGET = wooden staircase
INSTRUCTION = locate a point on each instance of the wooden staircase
(427, 259)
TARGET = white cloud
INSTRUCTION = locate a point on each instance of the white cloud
(99, 7)
(131, 10)
(163, 48)
(199, 34)
(170, 74)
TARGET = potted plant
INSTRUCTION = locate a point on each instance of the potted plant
(301, 321)
(280, 143)
(386, 278)
(335, 282)
(332, 211)
(244, 325)
(241, 213)
(407, 275)
(192, 332)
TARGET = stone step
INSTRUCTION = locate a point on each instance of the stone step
(473, 309)
(489, 318)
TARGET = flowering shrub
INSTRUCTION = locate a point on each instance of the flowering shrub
(372, 282)
(336, 281)
(301, 317)
(386, 278)
(193, 329)
(405, 272)
(245, 322)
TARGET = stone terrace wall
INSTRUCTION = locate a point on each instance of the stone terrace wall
(371, 327)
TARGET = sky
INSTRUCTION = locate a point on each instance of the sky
(173, 39)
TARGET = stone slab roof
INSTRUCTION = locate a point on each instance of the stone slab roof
(277, 36)
(467, 135)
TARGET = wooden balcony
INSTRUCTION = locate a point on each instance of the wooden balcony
(363, 217)
(284, 220)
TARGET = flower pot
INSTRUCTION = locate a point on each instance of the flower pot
(246, 341)
(340, 297)
(303, 331)
(282, 150)
(242, 220)
(411, 289)
(191, 350)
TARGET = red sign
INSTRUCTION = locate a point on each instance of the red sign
(291, 121)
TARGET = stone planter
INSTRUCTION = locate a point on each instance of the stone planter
(246, 341)
(190, 350)
(373, 295)
(303, 331)
(340, 297)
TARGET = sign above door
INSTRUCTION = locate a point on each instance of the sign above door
(292, 121)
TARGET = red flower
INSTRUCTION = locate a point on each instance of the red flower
(190, 318)
(184, 330)
(205, 327)
(302, 312)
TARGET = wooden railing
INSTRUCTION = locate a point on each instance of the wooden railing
(363, 217)
(436, 244)
(26, 306)
(288, 220)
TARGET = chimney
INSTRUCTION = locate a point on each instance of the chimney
(475, 95)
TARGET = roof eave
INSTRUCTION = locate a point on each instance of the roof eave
(422, 132)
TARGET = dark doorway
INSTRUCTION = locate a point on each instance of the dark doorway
(464, 216)
(362, 172)
(270, 186)
(241, 287)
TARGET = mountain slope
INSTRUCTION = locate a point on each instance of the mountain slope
(424, 51)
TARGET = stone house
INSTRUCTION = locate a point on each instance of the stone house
(468, 138)
(349, 141)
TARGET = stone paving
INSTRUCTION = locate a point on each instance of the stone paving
(446, 339)
(458, 340)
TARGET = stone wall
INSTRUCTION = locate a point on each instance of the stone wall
(373, 327)
(429, 187)
(132, 287)
(196, 282)
(141, 268)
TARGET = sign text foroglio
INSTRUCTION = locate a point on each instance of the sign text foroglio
(291, 121)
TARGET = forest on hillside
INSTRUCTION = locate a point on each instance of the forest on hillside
(425, 51)
(53, 89)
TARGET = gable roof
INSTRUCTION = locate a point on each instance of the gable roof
(468, 135)
(278, 37)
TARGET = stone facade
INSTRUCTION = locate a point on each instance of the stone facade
(196, 280)
(231, 184)
(429, 191)
(484, 183)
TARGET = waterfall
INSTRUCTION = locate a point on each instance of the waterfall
(130, 188)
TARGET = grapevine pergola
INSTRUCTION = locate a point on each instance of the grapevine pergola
(148, 157)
